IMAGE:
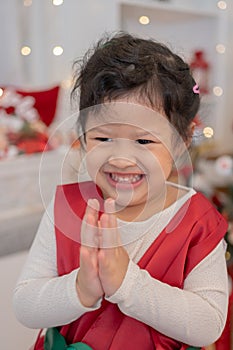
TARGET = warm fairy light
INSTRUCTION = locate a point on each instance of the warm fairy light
(222, 5)
(227, 255)
(57, 51)
(208, 132)
(25, 50)
(27, 3)
(57, 2)
(144, 20)
(220, 48)
(218, 91)
(1, 92)
(66, 83)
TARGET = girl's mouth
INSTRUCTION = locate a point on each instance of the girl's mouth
(125, 179)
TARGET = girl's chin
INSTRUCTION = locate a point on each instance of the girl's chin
(128, 200)
(122, 198)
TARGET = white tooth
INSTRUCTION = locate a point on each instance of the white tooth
(136, 178)
(126, 179)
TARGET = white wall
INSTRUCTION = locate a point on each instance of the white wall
(74, 25)
(226, 119)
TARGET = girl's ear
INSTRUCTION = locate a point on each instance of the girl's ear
(190, 134)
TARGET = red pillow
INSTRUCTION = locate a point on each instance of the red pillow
(45, 102)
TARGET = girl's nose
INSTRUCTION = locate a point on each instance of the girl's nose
(122, 154)
(122, 162)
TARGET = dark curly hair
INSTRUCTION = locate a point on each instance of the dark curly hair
(124, 65)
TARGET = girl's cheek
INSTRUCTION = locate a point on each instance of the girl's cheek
(96, 157)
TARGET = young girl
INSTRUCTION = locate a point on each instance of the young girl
(128, 260)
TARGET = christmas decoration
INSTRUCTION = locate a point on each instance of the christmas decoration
(200, 69)
(24, 121)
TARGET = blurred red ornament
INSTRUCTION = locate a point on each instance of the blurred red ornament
(33, 145)
(200, 69)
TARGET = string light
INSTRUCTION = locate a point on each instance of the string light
(144, 20)
(57, 51)
(66, 83)
(208, 132)
(25, 50)
(222, 5)
(227, 255)
(27, 3)
(220, 48)
(218, 91)
(57, 2)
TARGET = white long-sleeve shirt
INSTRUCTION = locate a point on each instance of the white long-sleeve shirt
(194, 315)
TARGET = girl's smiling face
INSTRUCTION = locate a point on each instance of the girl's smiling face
(129, 156)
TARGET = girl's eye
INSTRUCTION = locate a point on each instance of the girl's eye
(144, 142)
(103, 139)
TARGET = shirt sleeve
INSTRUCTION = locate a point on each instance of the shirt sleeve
(43, 299)
(193, 315)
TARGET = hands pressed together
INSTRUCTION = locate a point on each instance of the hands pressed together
(103, 260)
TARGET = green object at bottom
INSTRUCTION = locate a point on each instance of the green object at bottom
(193, 348)
(55, 341)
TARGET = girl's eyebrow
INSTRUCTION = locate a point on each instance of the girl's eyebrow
(143, 133)
(146, 133)
(99, 129)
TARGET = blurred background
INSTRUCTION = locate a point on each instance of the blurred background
(40, 39)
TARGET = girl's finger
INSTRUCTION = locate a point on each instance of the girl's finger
(109, 236)
(89, 229)
(92, 208)
(109, 206)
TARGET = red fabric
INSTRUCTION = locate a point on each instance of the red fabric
(194, 231)
(45, 102)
